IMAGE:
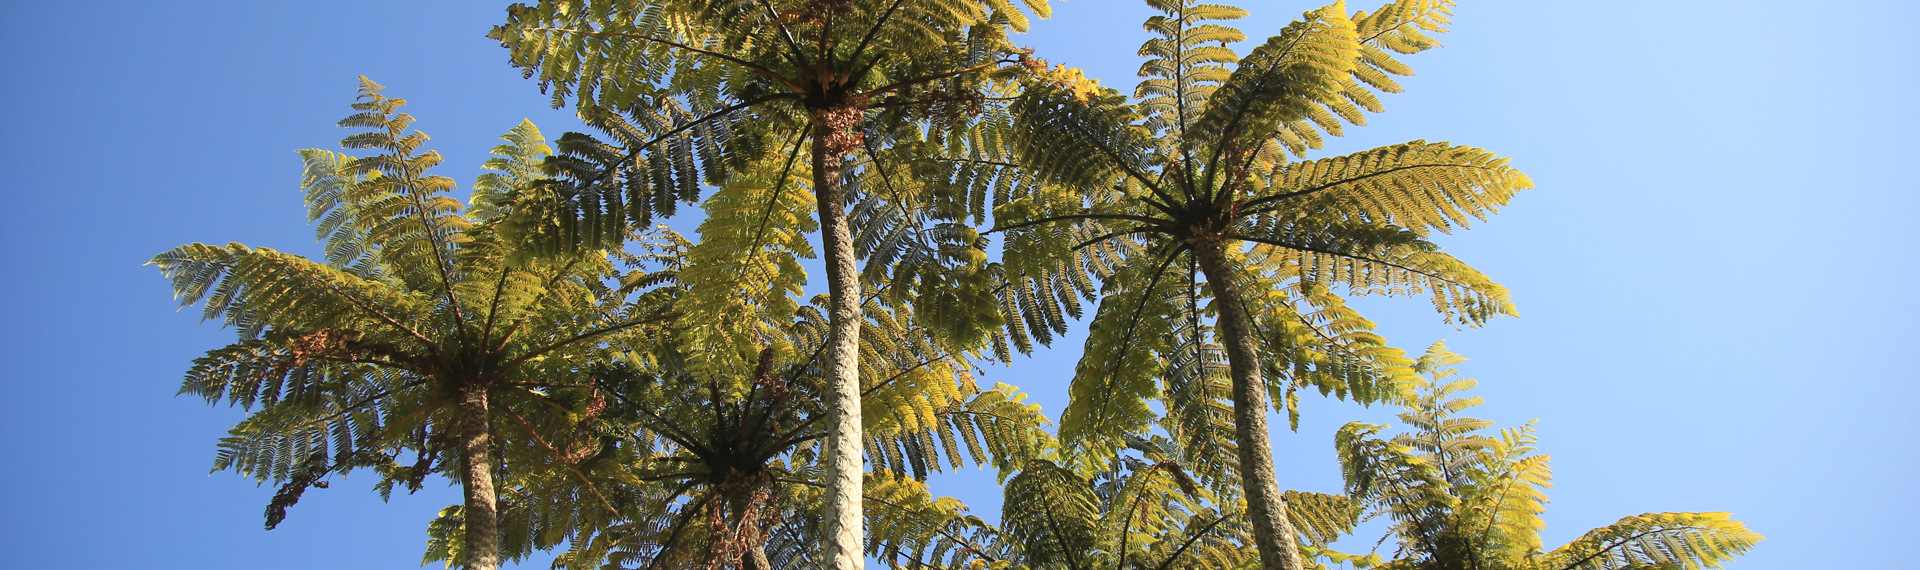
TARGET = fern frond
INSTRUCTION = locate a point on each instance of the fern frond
(1053, 512)
(744, 278)
(1116, 376)
(1380, 259)
(1417, 185)
(1656, 540)
(1296, 75)
(515, 164)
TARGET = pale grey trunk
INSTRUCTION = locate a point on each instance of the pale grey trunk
(844, 468)
(482, 546)
(1273, 533)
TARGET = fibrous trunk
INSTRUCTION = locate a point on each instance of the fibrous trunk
(747, 521)
(482, 536)
(1272, 531)
(844, 530)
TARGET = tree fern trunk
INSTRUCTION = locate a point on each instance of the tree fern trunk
(753, 542)
(482, 536)
(1272, 531)
(844, 466)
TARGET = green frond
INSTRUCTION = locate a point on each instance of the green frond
(1417, 185)
(1119, 370)
(514, 165)
(1293, 76)
(1053, 513)
(1079, 144)
(905, 520)
(446, 538)
(1461, 499)
(1320, 518)
(1373, 258)
(1181, 71)
(260, 288)
(744, 279)
(1686, 541)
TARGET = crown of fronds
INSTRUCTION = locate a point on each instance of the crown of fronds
(1147, 510)
(726, 94)
(1462, 499)
(349, 362)
(690, 91)
(1126, 194)
(695, 467)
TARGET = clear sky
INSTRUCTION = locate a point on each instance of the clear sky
(1716, 269)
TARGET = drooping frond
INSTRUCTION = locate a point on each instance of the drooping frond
(1314, 340)
(1053, 513)
(1380, 259)
(1118, 374)
(656, 157)
(574, 48)
(1080, 144)
(1686, 541)
(906, 522)
(1322, 519)
(994, 427)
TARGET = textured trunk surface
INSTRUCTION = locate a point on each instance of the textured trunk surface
(756, 556)
(1272, 531)
(754, 542)
(844, 468)
(747, 532)
(476, 480)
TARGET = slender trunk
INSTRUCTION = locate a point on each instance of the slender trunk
(844, 471)
(1272, 531)
(482, 546)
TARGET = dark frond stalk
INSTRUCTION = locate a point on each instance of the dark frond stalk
(844, 525)
(482, 538)
(1272, 531)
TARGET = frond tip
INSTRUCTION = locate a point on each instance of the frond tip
(1685, 541)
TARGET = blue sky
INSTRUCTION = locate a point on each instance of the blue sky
(1710, 270)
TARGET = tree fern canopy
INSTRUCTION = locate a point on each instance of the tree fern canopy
(691, 91)
(1459, 498)
(605, 389)
(687, 92)
(1202, 159)
(420, 326)
(688, 472)
(1212, 245)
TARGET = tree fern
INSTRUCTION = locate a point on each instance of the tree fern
(1461, 499)
(420, 328)
(692, 90)
(1187, 206)
(1148, 511)
(695, 468)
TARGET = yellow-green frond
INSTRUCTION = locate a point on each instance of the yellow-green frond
(1686, 541)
